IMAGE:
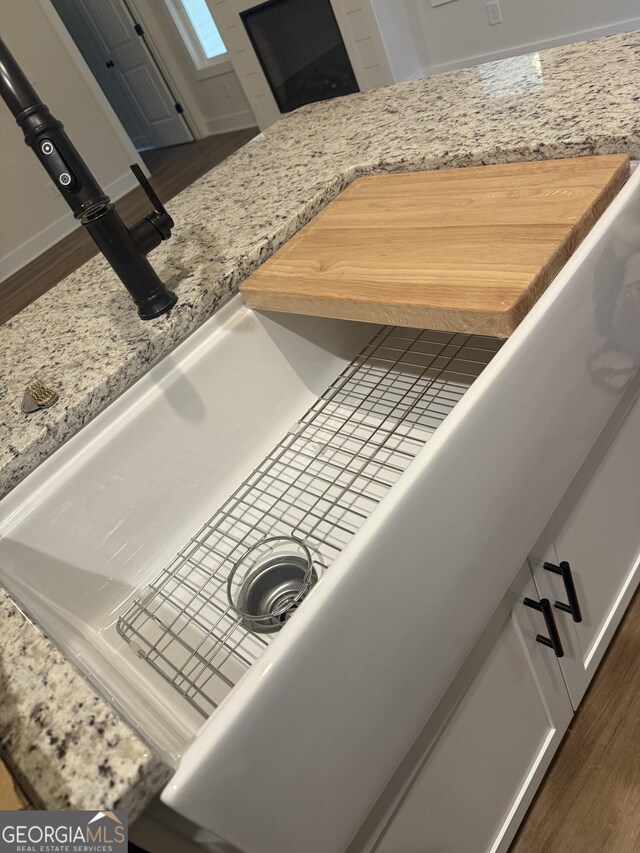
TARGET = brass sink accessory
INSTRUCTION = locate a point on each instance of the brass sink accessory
(38, 396)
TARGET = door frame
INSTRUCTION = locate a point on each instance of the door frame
(165, 73)
(188, 109)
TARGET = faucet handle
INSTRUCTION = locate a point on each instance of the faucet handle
(156, 226)
(150, 192)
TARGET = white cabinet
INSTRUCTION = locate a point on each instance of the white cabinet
(470, 777)
(488, 745)
(596, 529)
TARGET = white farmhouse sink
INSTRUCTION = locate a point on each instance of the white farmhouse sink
(411, 564)
(83, 538)
(94, 524)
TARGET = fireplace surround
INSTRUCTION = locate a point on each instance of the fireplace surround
(271, 85)
(301, 51)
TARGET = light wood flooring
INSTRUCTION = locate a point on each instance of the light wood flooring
(589, 801)
(172, 170)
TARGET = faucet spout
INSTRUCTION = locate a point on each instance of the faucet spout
(125, 249)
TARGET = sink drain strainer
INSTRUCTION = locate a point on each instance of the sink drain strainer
(269, 582)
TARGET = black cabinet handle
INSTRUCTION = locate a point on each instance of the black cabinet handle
(553, 640)
(573, 607)
(109, 63)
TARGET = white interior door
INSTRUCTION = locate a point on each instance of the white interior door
(105, 34)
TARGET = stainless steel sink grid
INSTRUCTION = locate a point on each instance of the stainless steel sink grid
(318, 485)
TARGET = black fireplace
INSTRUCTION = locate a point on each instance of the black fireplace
(301, 51)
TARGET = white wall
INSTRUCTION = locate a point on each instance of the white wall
(213, 98)
(405, 51)
(31, 218)
(457, 33)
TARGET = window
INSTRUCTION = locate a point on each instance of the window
(199, 31)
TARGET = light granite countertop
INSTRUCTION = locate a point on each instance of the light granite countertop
(84, 337)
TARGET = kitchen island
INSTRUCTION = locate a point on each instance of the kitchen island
(84, 339)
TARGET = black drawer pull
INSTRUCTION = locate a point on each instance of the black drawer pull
(573, 607)
(553, 640)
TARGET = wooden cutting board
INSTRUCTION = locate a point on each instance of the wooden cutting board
(467, 250)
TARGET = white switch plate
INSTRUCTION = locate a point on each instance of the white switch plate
(494, 12)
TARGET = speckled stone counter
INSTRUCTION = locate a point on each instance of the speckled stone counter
(84, 338)
(66, 746)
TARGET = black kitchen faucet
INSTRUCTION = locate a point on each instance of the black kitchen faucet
(126, 249)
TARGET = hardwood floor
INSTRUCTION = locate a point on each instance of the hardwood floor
(589, 801)
(172, 169)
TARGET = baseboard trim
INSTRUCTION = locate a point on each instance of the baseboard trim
(533, 47)
(242, 120)
(59, 228)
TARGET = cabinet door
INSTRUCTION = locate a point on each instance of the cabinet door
(596, 529)
(481, 770)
